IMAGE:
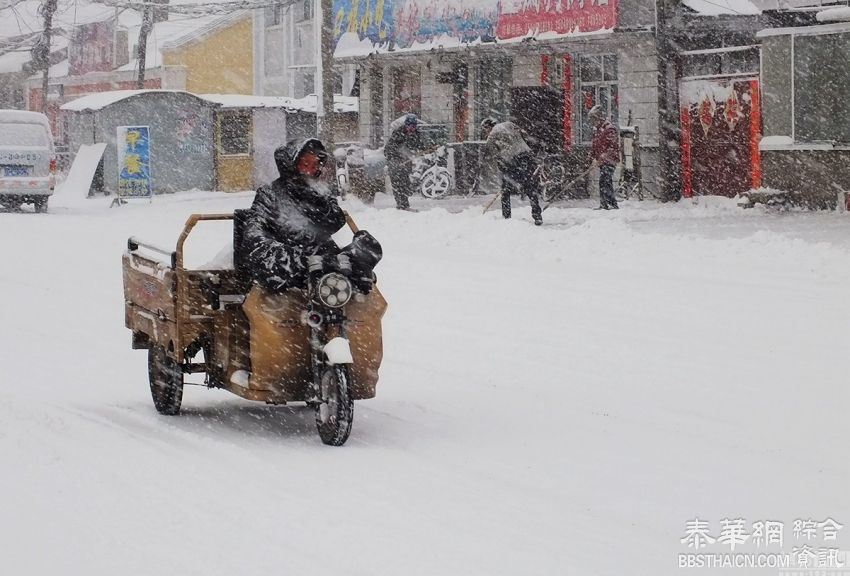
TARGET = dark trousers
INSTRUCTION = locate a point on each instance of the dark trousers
(519, 175)
(400, 181)
(606, 186)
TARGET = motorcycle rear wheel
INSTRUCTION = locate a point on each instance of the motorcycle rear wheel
(335, 411)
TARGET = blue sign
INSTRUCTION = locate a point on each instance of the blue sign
(134, 162)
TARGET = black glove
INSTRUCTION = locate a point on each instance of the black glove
(336, 263)
(363, 284)
(365, 252)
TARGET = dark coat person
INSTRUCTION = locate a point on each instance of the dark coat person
(401, 147)
(507, 152)
(290, 219)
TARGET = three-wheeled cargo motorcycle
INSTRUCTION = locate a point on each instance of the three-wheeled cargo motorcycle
(321, 345)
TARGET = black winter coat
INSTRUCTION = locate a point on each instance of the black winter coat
(401, 146)
(288, 221)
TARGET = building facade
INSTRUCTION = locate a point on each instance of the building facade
(181, 132)
(216, 57)
(208, 54)
(286, 49)
(806, 144)
(454, 64)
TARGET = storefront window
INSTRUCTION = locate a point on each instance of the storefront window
(744, 60)
(235, 138)
(740, 62)
(598, 85)
(821, 77)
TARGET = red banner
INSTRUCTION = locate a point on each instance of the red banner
(558, 16)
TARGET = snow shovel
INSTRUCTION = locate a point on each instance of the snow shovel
(490, 203)
(565, 188)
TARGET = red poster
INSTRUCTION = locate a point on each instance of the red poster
(558, 16)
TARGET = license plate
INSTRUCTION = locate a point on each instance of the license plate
(12, 171)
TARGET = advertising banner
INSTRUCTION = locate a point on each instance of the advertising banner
(416, 23)
(134, 162)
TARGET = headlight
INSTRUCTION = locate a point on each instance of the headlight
(334, 290)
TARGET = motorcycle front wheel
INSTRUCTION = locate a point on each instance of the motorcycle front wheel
(335, 411)
(166, 380)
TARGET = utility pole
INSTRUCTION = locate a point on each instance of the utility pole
(325, 74)
(669, 170)
(142, 48)
(41, 50)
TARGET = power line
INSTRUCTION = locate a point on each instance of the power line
(18, 19)
(11, 4)
(200, 9)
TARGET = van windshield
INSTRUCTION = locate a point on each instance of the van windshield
(14, 134)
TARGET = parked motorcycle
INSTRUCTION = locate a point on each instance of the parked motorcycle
(360, 170)
(431, 175)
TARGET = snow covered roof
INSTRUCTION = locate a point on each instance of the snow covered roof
(176, 31)
(826, 28)
(306, 104)
(14, 60)
(101, 100)
(21, 20)
(721, 7)
(751, 7)
(793, 5)
(837, 14)
(21, 25)
(58, 70)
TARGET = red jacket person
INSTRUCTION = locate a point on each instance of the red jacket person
(605, 152)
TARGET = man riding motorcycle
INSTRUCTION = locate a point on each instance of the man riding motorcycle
(292, 219)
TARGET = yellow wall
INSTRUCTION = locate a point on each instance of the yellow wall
(221, 63)
(235, 173)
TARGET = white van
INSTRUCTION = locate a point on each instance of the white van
(27, 160)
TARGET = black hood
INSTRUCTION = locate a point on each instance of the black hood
(286, 156)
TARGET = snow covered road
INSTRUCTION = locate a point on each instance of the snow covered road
(552, 401)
